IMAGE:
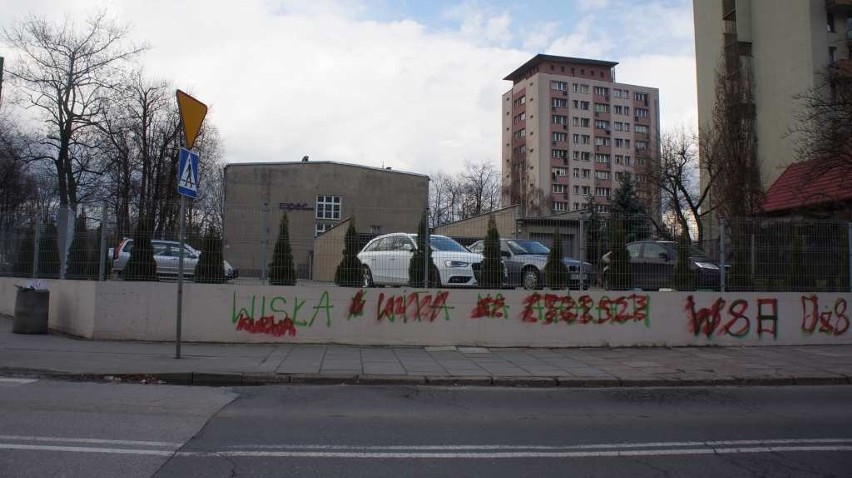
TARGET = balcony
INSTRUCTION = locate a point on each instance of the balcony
(838, 6)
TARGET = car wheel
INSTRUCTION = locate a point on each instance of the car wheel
(367, 277)
(531, 278)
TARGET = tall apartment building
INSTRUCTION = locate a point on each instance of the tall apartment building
(570, 131)
(788, 46)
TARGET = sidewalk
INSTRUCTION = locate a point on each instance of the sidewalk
(60, 356)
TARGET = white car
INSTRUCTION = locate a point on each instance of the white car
(385, 260)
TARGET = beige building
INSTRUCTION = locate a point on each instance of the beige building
(789, 46)
(317, 196)
(570, 131)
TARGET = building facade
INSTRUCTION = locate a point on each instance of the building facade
(317, 196)
(570, 132)
(788, 47)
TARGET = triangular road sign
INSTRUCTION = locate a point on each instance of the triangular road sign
(192, 113)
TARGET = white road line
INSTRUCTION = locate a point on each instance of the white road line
(90, 440)
(84, 449)
(17, 381)
(790, 441)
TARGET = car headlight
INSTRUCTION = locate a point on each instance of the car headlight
(707, 265)
(450, 264)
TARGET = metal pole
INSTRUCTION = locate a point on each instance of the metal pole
(181, 233)
(36, 245)
(103, 252)
(426, 248)
(722, 255)
(849, 252)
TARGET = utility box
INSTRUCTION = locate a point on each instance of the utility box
(31, 309)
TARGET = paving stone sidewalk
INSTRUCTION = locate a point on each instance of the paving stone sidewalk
(56, 355)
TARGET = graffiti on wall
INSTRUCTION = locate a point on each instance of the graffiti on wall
(734, 319)
(490, 307)
(829, 320)
(413, 306)
(554, 308)
(277, 316)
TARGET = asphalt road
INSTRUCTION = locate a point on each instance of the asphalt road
(86, 429)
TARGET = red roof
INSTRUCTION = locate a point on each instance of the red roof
(809, 184)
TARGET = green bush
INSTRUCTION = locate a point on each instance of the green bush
(282, 270)
(210, 268)
(491, 273)
(556, 273)
(618, 274)
(348, 273)
(48, 253)
(24, 260)
(141, 265)
(82, 257)
(415, 266)
(684, 276)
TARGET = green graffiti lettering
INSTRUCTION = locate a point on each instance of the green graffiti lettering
(235, 314)
(324, 304)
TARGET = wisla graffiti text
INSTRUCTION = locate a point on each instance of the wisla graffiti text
(291, 312)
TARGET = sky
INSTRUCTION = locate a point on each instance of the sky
(414, 85)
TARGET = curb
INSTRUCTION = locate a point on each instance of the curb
(254, 379)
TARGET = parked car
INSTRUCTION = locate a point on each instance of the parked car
(386, 258)
(167, 257)
(525, 261)
(652, 265)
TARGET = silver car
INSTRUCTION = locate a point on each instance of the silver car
(525, 260)
(167, 257)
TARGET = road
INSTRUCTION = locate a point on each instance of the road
(54, 428)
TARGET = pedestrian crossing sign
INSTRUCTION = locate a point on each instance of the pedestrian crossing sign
(188, 173)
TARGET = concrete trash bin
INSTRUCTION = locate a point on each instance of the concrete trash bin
(31, 307)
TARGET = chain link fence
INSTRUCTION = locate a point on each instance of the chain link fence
(250, 244)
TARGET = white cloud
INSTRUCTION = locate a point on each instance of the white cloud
(674, 76)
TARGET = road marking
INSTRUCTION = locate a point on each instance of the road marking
(17, 381)
(456, 451)
(90, 440)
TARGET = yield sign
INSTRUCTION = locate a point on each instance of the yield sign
(192, 113)
(188, 173)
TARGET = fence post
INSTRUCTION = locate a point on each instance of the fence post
(722, 255)
(103, 249)
(426, 248)
(264, 240)
(35, 246)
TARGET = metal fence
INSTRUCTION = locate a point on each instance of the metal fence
(246, 245)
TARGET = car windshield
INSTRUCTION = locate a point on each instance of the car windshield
(441, 243)
(528, 247)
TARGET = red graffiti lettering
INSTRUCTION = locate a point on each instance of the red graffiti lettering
(737, 313)
(532, 308)
(710, 321)
(704, 320)
(832, 321)
(770, 318)
(266, 325)
(490, 307)
(356, 305)
(552, 308)
(415, 306)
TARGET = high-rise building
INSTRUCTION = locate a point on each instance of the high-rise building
(788, 48)
(570, 132)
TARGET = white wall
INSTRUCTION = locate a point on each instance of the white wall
(399, 316)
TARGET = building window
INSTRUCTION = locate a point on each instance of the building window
(829, 22)
(619, 158)
(584, 105)
(618, 126)
(628, 161)
(560, 119)
(627, 127)
(641, 113)
(559, 172)
(580, 88)
(618, 109)
(587, 173)
(587, 190)
(576, 206)
(321, 227)
(601, 91)
(601, 124)
(602, 192)
(641, 96)
(560, 206)
(576, 172)
(560, 154)
(559, 85)
(585, 156)
(619, 143)
(557, 136)
(520, 101)
(602, 158)
(602, 175)
(328, 207)
(581, 122)
(601, 108)
(559, 102)
(641, 145)
(560, 188)
(640, 128)
(602, 141)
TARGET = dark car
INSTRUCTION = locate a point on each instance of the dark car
(525, 261)
(652, 265)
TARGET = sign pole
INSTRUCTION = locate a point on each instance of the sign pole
(181, 233)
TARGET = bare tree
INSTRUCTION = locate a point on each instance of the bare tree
(824, 121)
(675, 175)
(67, 72)
(481, 188)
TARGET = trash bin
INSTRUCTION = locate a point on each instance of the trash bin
(31, 307)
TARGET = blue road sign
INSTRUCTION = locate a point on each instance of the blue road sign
(188, 173)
